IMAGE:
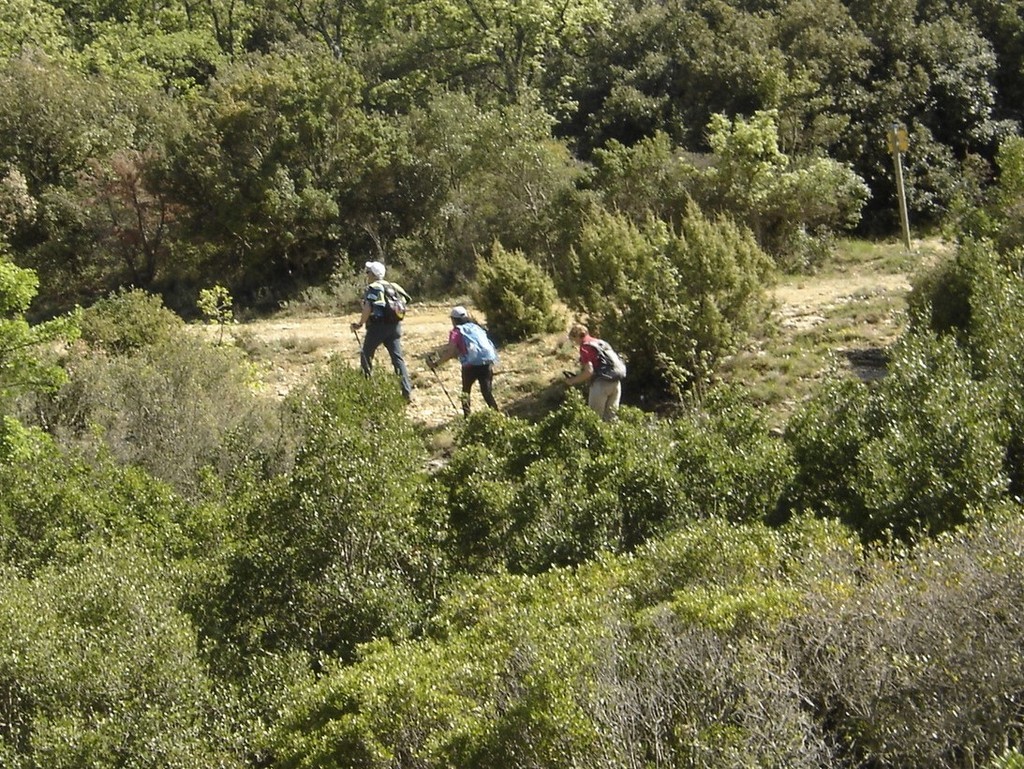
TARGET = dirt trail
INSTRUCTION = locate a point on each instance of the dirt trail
(294, 348)
(299, 346)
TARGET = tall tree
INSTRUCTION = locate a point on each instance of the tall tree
(501, 50)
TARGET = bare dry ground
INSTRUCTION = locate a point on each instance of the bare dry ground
(291, 349)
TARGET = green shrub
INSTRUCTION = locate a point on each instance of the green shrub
(529, 497)
(25, 365)
(793, 205)
(517, 297)
(1006, 204)
(128, 320)
(582, 666)
(977, 299)
(721, 645)
(98, 667)
(177, 406)
(1008, 759)
(504, 684)
(825, 436)
(649, 178)
(516, 442)
(55, 505)
(336, 552)
(672, 300)
(916, 455)
(475, 492)
(733, 466)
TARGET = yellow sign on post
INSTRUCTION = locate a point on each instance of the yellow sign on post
(899, 139)
(902, 139)
(899, 142)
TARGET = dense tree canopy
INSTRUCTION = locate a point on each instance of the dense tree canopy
(270, 145)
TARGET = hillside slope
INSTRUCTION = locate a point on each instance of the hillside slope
(844, 316)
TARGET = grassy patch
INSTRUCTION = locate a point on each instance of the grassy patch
(851, 310)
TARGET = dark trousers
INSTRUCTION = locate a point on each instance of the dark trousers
(483, 374)
(389, 335)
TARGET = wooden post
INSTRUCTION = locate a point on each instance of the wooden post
(898, 144)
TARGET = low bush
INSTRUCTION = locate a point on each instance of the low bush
(977, 299)
(338, 551)
(127, 320)
(26, 365)
(177, 407)
(917, 455)
(584, 666)
(55, 506)
(729, 464)
(98, 667)
(920, 665)
(528, 497)
(517, 296)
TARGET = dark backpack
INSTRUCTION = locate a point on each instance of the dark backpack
(609, 365)
(394, 303)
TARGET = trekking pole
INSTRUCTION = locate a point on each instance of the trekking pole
(441, 382)
(360, 343)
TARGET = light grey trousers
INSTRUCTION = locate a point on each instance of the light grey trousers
(604, 397)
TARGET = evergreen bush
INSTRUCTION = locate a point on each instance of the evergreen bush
(127, 320)
(674, 301)
(336, 552)
(516, 295)
(166, 400)
(919, 663)
(99, 667)
(977, 299)
(529, 497)
(917, 455)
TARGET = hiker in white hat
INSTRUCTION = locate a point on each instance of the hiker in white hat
(383, 307)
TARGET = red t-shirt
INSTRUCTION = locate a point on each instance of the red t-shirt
(587, 352)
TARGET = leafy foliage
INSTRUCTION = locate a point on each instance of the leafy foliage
(977, 299)
(152, 394)
(718, 646)
(565, 667)
(23, 364)
(266, 147)
(782, 200)
(129, 320)
(99, 667)
(473, 196)
(516, 295)
(917, 454)
(673, 300)
(757, 184)
(215, 304)
(275, 152)
(335, 552)
(916, 667)
(529, 497)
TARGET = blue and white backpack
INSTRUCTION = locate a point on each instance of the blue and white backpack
(479, 348)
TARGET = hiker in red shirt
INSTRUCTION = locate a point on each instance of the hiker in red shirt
(602, 368)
